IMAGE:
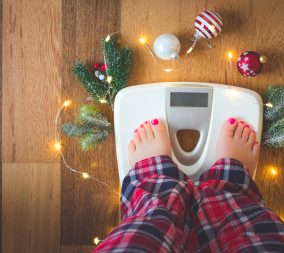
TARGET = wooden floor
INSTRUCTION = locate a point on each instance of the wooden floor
(44, 207)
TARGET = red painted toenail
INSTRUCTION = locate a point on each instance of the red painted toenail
(247, 126)
(146, 122)
(242, 122)
(135, 131)
(155, 121)
(232, 121)
(253, 131)
(141, 125)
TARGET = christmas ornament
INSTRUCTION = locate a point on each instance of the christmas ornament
(250, 63)
(273, 135)
(208, 24)
(100, 66)
(167, 47)
(101, 77)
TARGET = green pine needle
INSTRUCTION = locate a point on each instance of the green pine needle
(89, 141)
(274, 117)
(90, 115)
(90, 128)
(76, 130)
(274, 136)
(118, 60)
(96, 88)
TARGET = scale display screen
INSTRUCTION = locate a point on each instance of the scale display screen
(189, 99)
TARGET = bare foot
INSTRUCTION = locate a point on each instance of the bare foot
(150, 139)
(237, 140)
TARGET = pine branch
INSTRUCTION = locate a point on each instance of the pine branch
(90, 115)
(275, 112)
(274, 135)
(89, 141)
(274, 117)
(91, 127)
(95, 87)
(275, 96)
(76, 130)
(119, 62)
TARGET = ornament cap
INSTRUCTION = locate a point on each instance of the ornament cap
(263, 59)
(175, 56)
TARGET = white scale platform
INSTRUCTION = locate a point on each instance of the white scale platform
(183, 105)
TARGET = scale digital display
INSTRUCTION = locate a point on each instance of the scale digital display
(189, 99)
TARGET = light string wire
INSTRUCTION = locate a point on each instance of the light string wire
(109, 79)
(58, 147)
(143, 41)
(196, 38)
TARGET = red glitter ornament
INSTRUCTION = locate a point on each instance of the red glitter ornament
(103, 67)
(97, 66)
(250, 63)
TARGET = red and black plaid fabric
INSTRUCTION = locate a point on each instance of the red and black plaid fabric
(164, 211)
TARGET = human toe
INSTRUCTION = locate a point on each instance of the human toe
(229, 126)
(142, 133)
(255, 149)
(246, 133)
(239, 130)
(131, 147)
(252, 137)
(148, 130)
(137, 138)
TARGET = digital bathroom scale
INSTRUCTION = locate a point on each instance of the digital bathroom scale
(182, 106)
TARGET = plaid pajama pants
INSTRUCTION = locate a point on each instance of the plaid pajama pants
(164, 211)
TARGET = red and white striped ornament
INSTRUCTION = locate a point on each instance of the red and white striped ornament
(208, 24)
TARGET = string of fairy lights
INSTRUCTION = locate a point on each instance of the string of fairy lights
(58, 143)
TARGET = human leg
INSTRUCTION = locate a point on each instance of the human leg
(154, 199)
(230, 215)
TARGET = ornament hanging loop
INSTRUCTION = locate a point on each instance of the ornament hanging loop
(196, 38)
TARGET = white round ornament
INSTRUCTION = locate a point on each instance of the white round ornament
(101, 77)
(167, 47)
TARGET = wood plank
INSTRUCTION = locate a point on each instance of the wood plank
(32, 72)
(271, 186)
(245, 28)
(31, 208)
(88, 208)
(31, 78)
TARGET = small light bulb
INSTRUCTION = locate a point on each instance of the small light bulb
(109, 79)
(57, 146)
(85, 175)
(273, 172)
(230, 55)
(97, 241)
(168, 70)
(67, 103)
(142, 40)
(102, 101)
(212, 27)
(269, 105)
(107, 38)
